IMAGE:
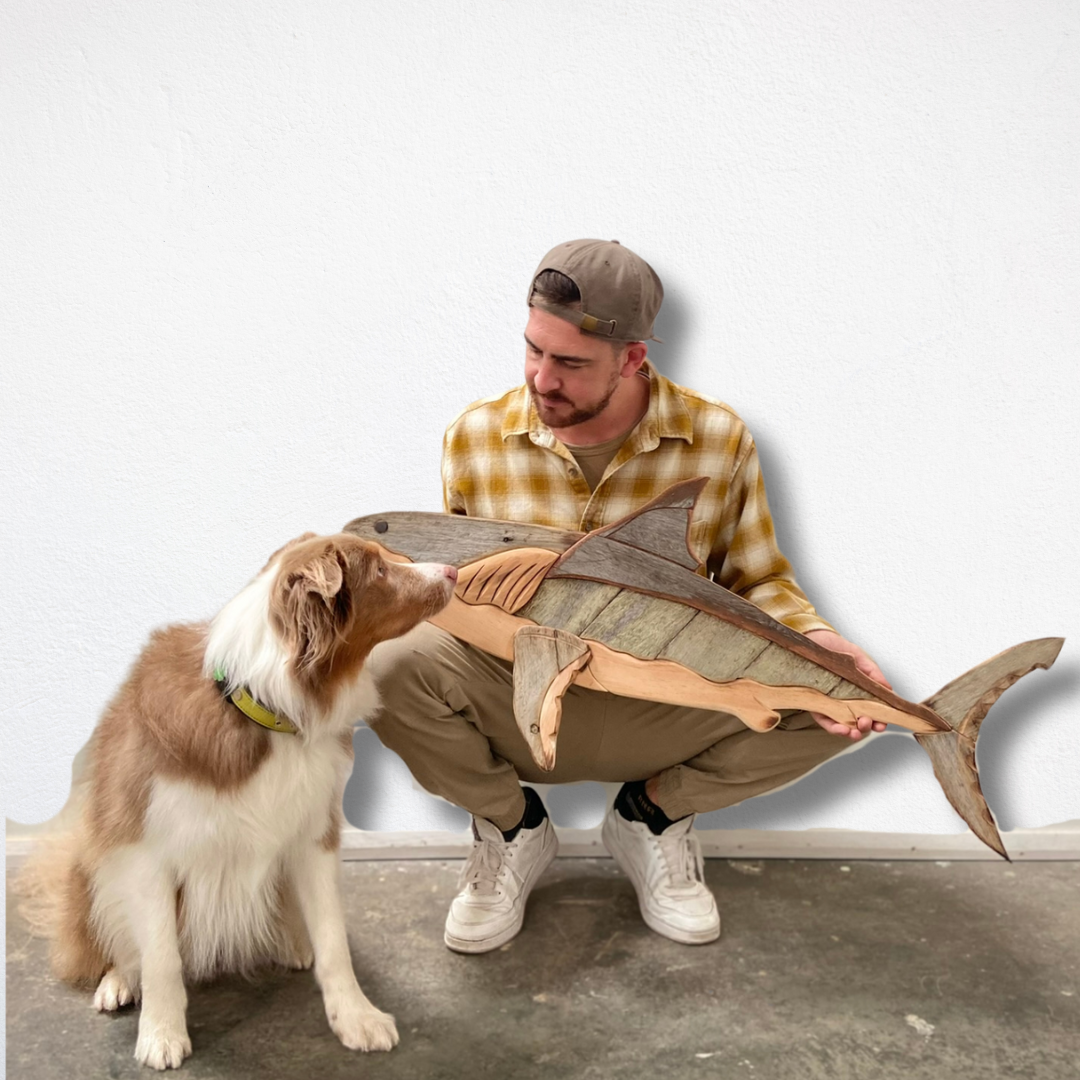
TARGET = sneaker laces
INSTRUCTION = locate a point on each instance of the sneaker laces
(484, 867)
(682, 860)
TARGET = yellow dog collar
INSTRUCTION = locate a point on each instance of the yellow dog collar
(253, 710)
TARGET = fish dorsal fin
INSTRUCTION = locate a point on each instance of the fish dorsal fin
(662, 526)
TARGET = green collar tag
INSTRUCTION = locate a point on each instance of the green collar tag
(253, 710)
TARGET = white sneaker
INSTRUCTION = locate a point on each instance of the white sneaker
(497, 880)
(668, 874)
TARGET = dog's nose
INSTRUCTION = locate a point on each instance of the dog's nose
(450, 572)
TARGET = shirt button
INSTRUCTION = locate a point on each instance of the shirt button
(573, 472)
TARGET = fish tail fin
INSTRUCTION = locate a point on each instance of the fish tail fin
(963, 704)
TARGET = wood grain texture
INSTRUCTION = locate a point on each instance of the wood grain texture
(716, 649)
(966, 700)
(777, 666)
(440, 537)
(602, 559)
(545, 663)
(755, 704)
(641, 625)
(508, 579)
(568, 604)
(662, 525)
(953, 758)
(662, 532)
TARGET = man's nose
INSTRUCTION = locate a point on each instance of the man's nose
(545, 377)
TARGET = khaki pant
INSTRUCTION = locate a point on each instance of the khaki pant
(448, 713)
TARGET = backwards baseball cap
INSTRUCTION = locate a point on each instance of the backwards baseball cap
(620, 292)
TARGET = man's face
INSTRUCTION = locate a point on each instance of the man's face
(571, 376)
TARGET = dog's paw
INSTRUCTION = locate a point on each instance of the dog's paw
(113, 992)
(360, 1026)
(162, 1045)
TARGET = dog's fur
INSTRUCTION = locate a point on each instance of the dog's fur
(206, 843)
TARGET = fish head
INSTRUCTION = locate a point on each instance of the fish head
(453, 538)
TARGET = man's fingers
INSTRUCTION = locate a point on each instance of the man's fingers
(862, 726)
(868, 667)
(834, 727)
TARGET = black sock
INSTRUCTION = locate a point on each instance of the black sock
(634, 805)
(534, 815)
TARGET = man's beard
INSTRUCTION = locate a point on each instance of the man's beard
(575, 416)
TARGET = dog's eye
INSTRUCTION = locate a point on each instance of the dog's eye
(382, 570)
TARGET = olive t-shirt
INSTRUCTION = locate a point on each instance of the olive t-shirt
(593, 460)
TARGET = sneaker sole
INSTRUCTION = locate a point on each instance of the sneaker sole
(654, 922)
(483, 945)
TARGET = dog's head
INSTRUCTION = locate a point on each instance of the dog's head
(334, 598)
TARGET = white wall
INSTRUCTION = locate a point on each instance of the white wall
(256, 255)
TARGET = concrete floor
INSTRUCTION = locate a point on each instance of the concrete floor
(913, 970)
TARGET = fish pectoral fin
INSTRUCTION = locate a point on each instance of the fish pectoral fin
(546, 661)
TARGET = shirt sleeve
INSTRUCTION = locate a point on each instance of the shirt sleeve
(453, 499)
(745, 557)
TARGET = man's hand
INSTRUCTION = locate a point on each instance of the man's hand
(829, 639)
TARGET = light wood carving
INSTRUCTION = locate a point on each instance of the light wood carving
(545, 664)
(624, 610)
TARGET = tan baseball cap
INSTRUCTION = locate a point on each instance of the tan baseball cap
(620, 292)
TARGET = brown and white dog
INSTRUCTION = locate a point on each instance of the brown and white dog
(206, 842)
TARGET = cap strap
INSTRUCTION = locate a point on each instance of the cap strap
(589, 323)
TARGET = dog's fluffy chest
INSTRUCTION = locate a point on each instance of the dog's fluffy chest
(288, 799)
(228, 852)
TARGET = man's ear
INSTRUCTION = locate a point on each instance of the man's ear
(313, 606)
(633, 358)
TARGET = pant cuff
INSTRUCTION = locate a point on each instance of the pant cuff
(669, 795)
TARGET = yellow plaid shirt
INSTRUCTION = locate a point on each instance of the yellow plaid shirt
(500, 461)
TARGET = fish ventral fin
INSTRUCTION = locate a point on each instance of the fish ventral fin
(661, 526)
(546, 662)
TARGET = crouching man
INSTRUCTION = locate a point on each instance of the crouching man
(596, 432)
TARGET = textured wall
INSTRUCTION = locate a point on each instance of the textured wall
(256, 255)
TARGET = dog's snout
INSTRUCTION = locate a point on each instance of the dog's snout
(450, 572)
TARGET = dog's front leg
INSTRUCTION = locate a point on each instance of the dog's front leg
(163, 1041)
(355, 1021)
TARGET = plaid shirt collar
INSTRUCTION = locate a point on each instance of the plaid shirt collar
(665, 418)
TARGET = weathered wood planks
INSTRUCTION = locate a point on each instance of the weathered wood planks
(439, 537)
(545, 663)
(568, 605)
(602, 559)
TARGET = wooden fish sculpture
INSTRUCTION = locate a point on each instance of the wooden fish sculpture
(625, 609)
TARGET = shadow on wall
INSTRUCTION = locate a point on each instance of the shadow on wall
(673, 325)
(373, 797)
(377, 797)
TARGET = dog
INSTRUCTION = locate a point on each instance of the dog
(209, 822)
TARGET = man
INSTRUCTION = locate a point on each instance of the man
(596, 432)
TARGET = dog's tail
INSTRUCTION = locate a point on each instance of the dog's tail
(55, 896)
(962, 705)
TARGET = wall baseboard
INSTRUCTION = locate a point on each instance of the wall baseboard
(1061, 842)
(1054, 842)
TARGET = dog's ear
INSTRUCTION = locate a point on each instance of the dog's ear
(313, 604)
(291, 543)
